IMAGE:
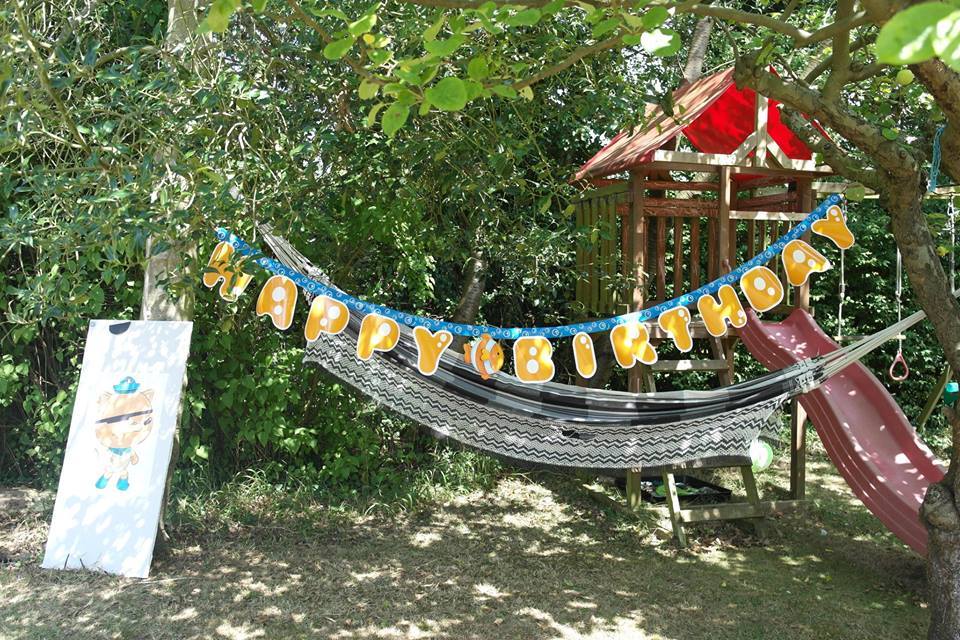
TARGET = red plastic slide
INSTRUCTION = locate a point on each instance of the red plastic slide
(863, 430)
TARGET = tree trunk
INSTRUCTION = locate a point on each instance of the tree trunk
(173, 265)
(940, 511)
(474, 284)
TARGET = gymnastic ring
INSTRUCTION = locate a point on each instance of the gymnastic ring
(893, 366)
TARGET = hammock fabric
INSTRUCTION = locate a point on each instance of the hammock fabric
(557, 425)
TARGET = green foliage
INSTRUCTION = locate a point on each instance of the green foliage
(275, 136)
(919, 33)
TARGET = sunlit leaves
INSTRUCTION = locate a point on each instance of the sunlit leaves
(909, 36)
(218, 18)
(660, 42)
(338, 48)
(478, 68)
(523, 18)
(946, 41)
(368, 90)
(394, 118)
(444, 48)
(449, 94)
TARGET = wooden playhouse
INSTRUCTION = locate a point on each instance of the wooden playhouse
(679, 202)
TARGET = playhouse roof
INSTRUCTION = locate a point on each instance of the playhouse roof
(714, 115)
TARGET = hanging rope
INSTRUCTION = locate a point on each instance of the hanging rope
(899, 359)
(842, 293)
(935, 160)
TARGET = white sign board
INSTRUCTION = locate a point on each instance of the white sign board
(121, 437)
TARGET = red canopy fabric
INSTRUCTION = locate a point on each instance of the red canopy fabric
(712, 112)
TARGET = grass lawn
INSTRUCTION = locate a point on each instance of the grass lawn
(535, 557)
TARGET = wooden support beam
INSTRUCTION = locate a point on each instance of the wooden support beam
(761, 105)
(634, 496)
(737, 510)
(681, 185)
(936, 395)
(785, 200)
(805, 204)
(677, 256)
(673, 505)
(694, 254)
(719, 364)
(798, 450)
(723, 221)
(696, 158)
(637, 249)
(661, 258)
(775, 216)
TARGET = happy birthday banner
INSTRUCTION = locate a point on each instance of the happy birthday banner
(717, 303)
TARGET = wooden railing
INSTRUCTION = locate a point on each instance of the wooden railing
(681, 243)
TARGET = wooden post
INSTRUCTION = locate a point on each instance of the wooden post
(637, 249)
(804, 204)
(673, 504)
(634, 496)
(798, 450)
(760, 108)
(638, 260)
(934, 398)
(723, 221)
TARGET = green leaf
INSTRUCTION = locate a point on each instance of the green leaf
(505, 91)
(655, 17)
(394, 118)
(660, 42)
(372, 115)
(362, 25)
(474, 89)
(379, 56)
(908, 37)
(218, 18)
(604, 27)
(525, 18)
(552, 7)
(946, 44)
(856, 192)
(633, 21)
(890, 133)
(444, 48)
(526, 93)
(432, 31)
(333, 13)
(258, 5)
(632, 39)
(450, 94)
(478, 68)
(368, 90)
(338, 48)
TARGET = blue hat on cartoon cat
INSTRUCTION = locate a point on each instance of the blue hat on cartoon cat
(127, 385)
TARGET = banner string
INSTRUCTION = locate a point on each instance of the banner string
(512, 333)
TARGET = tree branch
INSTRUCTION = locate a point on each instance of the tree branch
(45, 79)
(576, 56)
(891, 157)
(842, 163)
(840, 66)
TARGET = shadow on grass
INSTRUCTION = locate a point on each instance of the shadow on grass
(530, 559)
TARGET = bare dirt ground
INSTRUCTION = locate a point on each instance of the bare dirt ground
(536, 557)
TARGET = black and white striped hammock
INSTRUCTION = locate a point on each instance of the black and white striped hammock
(558, 425)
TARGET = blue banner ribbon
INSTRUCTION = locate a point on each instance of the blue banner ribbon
(512, 333)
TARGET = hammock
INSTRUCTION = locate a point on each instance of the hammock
(557, 425)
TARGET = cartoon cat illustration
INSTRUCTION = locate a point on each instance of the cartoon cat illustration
(124, 419)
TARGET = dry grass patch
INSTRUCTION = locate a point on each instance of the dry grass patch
(535, 557)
